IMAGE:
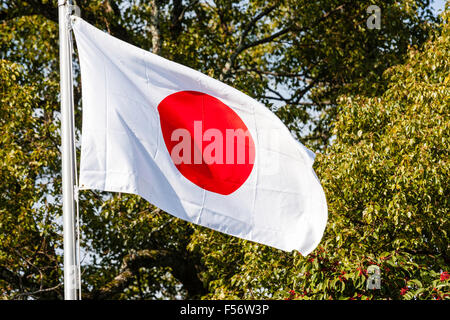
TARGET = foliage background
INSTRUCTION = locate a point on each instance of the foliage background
(373, 103)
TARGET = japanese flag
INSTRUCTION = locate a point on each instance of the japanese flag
(193, 146)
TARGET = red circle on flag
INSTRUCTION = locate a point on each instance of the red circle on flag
(208, 142)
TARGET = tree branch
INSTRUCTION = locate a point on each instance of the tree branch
(183, 268)
(27, 294)
(273, 73)
(154, 26)
(252, 23)
(242, 46)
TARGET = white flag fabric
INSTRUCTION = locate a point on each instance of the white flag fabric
(193, 146)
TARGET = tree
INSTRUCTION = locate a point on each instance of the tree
(29, 238)
(295, 56)
(386, 180)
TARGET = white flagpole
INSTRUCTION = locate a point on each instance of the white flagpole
(71, 274)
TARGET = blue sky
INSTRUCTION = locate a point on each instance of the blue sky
(438, 5)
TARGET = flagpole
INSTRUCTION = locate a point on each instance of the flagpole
(71, 274)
